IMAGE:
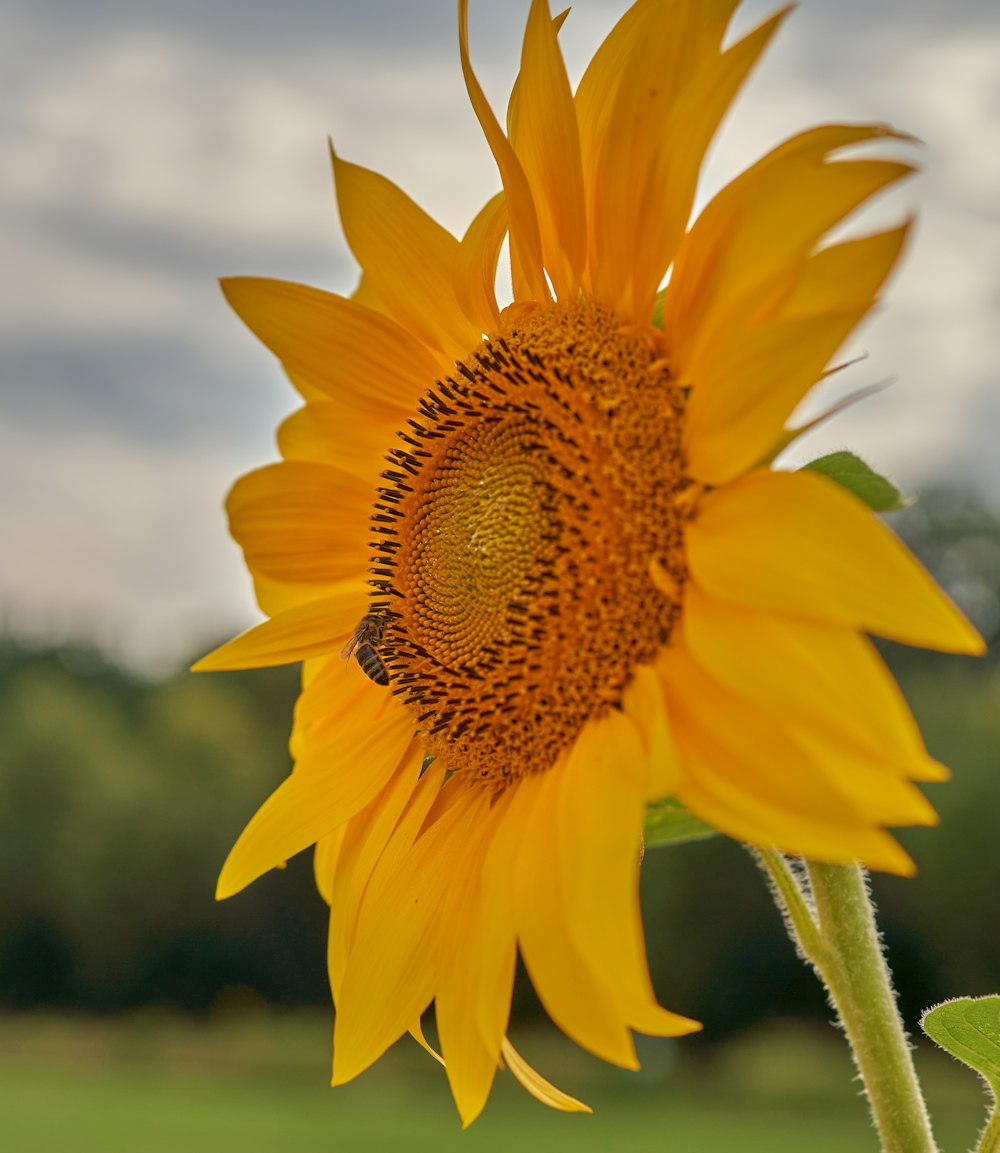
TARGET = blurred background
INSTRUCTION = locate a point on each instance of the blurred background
(149, 148)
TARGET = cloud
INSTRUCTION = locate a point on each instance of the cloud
(150, 148)
(121, 543)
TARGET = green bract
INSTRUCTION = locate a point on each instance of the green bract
(969, 1028)
(851, 472)
(669, 823)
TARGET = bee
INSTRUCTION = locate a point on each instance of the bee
(362, 646)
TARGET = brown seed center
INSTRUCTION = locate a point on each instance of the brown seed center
(526, 509)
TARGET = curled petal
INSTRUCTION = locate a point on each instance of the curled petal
(406, 256)
(525, 237)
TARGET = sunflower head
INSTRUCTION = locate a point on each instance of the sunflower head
(530, 549)
(551, 543)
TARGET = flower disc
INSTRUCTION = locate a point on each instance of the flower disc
(530, 542)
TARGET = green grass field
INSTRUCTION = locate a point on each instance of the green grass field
(257, 1085)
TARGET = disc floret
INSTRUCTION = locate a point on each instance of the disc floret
(530, 536)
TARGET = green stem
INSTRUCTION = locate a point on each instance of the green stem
(839, 937)
(861, 990)
(800, 919)
(989, 1141)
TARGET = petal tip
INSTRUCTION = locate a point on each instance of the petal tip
(223, 659)
(234, 289)
(688, 1025)
(224, 888)
(212, 662)
(894, 859)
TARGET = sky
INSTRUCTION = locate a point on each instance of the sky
(150, 147)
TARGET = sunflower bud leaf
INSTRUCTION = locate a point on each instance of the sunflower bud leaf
(669, 823)
(851, 472)
(969, 1029)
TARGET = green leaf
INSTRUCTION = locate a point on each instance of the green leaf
(659, 308)
(969, 1028)
(669, 823)
(851, 472)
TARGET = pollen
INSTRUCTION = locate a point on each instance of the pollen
(529, 538)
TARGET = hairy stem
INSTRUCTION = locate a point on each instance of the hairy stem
(989, 1139)
(800, 917)
(838, 935)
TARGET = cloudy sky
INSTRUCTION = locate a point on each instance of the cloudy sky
(150, 146)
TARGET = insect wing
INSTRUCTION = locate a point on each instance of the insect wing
(354, 643)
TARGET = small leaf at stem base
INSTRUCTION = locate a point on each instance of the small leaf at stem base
(851, 472)
(669, 823)
(969, 1028)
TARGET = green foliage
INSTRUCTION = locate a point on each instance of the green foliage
(851, 472)
(669, 823)
(969, 1028)
(119, 800)
(258, 1084)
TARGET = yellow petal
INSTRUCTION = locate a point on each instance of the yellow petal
(548, 146)
(324, 679)
(694, 119)
(470, 952)
(747, 390)
(828, 678)
(525, 238)
(365, 838)
(498, 937)
(846, 277)
(744, 392)
(581, 1004)
(332, 432)
(595, 94)
(365, 294)
(318, 797)
(873, 787)
(476, 264)
(753, 779)
(417, 1033)
(760, 227)
(340, 347)
(353, 879)
(305, 388)
(325, 861)
(600, 813)
(537, 1086)
(390, 974)
(309, 630)
(303, 521)
(625, 102)
(595, 97)
(407, 257)
(276, 596)
(600, 832)
(322, 742)
(642, 703)
(798, 543)
(514, 103)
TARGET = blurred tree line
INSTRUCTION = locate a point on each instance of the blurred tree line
(119, 800)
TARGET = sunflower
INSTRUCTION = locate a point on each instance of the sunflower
(550, 542)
